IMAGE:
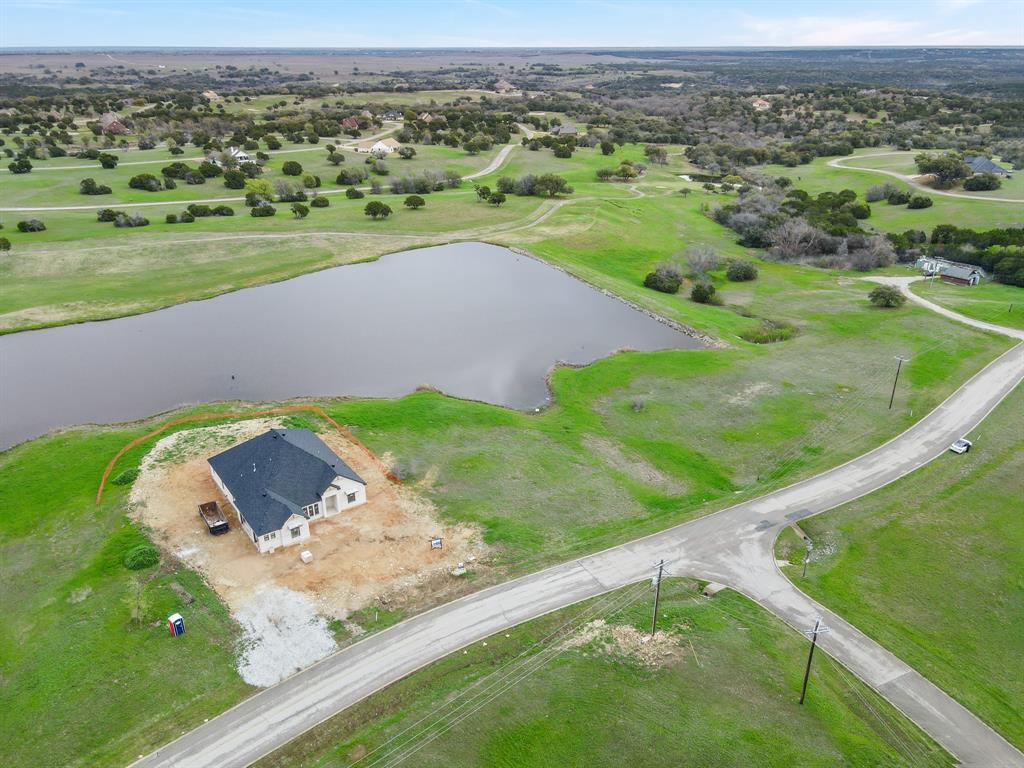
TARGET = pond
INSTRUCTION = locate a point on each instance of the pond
(472, 320)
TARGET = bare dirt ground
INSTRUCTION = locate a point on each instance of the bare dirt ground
(377, 552)
(625, 640)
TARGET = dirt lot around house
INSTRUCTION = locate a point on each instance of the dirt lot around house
(380, 550)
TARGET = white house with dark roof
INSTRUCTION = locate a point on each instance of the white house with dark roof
(981, 164)
(283, 481)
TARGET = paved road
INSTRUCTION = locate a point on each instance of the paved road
(733, 547)
(841, 162)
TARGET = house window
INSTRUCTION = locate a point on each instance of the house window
(351, 496)
(312, 510)
(296, 532)
(268, 537)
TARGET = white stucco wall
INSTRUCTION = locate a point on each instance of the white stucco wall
(336, 501)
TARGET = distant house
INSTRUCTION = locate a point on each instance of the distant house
(761, 104)
(239, 156)
(565, 129)
(211, 95)
(281, 482)
(392, 115)
(381, 147)
(950, 271)
(504, 86)
(367, 114)
(981, 164)
(426, 117)
(349, 123)
(111, 124)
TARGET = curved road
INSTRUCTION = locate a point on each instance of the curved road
(734, 547)
(912, 181)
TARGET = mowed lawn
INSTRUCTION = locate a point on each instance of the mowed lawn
(727, 697)
(817, 177)
(991, 302)
(932, 567)
(81, 684)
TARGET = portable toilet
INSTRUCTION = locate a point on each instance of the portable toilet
(176, 624)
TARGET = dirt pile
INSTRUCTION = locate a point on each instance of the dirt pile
(626, 640)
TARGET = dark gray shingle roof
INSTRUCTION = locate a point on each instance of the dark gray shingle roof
(276, 474)
(981, 164)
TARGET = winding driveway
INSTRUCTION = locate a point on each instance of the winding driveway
(734, 547)
(840, 162)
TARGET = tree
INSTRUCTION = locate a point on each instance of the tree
(496, 198)
(291, 168)
(375, 209)
(947, 168)
(256, 189)
(414, 202)
(5, 244)
(21, 165)
(407, 153)
(31, 225)
(335, 158)
(666, 278)
(887, 296)
(354, 194)
(319, 201)
(108, 160)
(90, 187)
(607, 147)
(145, 181)
(740, 271)
(262, 210)
(483, 192)
(300, 211)
(656, 154)
(919, 201)
(209, 170)
(551, 184)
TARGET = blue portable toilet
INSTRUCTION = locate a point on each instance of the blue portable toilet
(176, 623)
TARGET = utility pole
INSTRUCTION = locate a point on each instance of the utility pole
(657, 597)
(818, 629)
(898, 366)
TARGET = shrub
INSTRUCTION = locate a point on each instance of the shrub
(234, 179)
(887, 296)
(209, 170)
(5, 244)
(127, 477)
(309, 181)
(200, 211)
(108, 214)
(145, 181)
(175, 170)
(194, 177)
(262, 210)
(127, 222)
(171, 218)
(880, 192)
(319, 202)
(702, 293)
(170, 184)
(31, 225)
(984, 182)
(665, 278)
(300, 211)
(141, 556)
(90, 187)
(414, 202)
(108, 160)
(496, 198)
(186, 218)
(859, 210)
(701, 259)
(375, 209)
(769, 331)
(740, 271)
(898, 197)
(223, 210)
(919, 201)
(351, 176)
(354, 194)
(291, 168)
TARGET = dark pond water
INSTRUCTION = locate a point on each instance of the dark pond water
(473, 320)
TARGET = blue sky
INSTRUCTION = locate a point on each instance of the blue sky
(479, 23)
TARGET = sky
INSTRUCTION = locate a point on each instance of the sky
(508, 23)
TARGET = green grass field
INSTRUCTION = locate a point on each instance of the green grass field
(817, 177)
(932, 568)
(729, 698)
(991, 302)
